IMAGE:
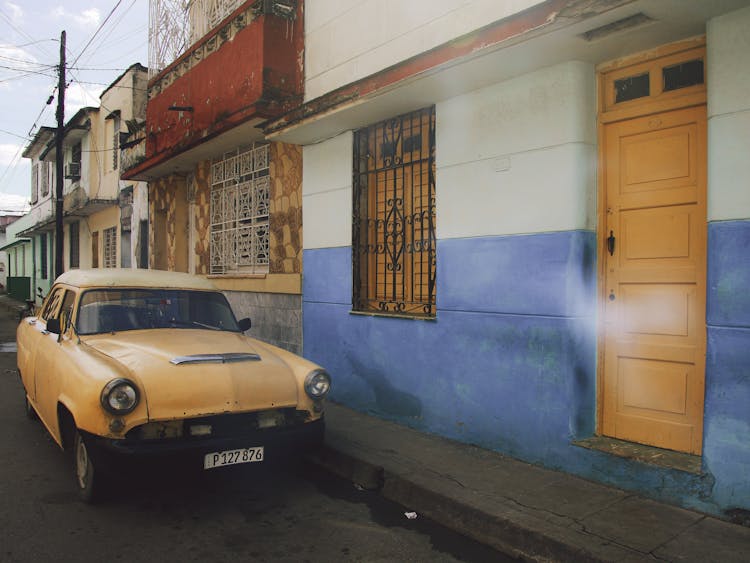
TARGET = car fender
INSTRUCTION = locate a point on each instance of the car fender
(82, 373)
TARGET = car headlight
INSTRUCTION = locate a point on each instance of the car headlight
(119, 396)
(317, 384)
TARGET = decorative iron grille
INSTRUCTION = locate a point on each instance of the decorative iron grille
(168, 33)
(240, 188)
(110, 247)
(393, 235)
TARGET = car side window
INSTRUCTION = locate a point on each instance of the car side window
(52, 304)
(66, 310)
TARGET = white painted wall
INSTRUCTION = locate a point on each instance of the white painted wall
(520, 156)
(327, 193)
(346, 40)
(728, 78)
(516, 157)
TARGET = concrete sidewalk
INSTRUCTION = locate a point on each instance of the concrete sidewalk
(519, 509)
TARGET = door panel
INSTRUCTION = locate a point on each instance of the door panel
(654, 343)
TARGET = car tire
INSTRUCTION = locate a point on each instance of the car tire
(88, 479)
(30, 412)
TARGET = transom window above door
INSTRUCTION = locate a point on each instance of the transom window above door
(676, 75)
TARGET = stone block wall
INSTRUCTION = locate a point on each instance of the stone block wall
(276, 317)
(285, 239)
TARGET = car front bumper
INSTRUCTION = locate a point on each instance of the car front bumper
(279, 444)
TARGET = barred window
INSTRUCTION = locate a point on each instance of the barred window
(115, 141)
(44, 177)
(43, 253)
(95, 249)
(240, 187)
(394, 216)
(34, 183)
(110, 247)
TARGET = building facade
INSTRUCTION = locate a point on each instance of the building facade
(223, 201)
(526, 227)
(102, 215)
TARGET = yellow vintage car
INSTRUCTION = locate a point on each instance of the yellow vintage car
(124, 365)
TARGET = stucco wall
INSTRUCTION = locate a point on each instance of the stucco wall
(509, 363)
(727, 411)
(375, 39)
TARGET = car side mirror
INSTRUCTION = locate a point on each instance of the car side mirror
(53, 326)
(245, 324)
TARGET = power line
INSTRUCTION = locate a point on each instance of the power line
(22, 32)
(96, 33)
(14, 135)
(112, 85)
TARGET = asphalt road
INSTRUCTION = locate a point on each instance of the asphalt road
(239, 514)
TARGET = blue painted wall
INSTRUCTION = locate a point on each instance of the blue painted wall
(510, 362)
(726, 450)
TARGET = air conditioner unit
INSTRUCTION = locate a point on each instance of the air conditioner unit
(73, 170)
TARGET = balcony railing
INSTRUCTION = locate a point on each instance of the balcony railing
(174, 25)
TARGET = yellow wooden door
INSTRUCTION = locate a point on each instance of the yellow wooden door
(655, 252)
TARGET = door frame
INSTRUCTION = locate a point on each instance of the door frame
(609, 112)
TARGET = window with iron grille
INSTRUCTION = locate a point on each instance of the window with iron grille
(240, 187)
(110, 247)
(44, 177)
(43, 253)
(34, 184)
(393, 234)
(115, 142)
(74, 241)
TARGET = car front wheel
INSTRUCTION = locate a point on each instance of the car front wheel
(88, 479)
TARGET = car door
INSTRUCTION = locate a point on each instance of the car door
(30, 334)
(48, 356)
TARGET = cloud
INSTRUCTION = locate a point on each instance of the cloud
(80, 95)
(13, 202)
(16, 13)
(17, 57)
(89, 18)
(9, 154)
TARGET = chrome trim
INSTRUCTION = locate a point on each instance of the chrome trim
(215, 358)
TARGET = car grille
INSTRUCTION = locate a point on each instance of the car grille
(219, 426)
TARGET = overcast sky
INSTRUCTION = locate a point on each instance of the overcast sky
(104, 37)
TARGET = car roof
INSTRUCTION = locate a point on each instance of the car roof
(132, 277)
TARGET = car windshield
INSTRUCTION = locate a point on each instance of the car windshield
(113, 310)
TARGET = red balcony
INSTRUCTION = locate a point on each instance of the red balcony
(245, 71)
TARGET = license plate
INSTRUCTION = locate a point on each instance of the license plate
(233, 457)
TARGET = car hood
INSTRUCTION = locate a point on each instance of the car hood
(220, 372)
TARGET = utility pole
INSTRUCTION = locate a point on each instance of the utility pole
(59, 164)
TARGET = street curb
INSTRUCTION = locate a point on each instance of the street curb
(502, 534)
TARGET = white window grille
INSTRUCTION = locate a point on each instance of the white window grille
(110, 247)
(174, 25)
(207, 14)
(44, 177)
(167, 33)
(34, 183)
(115, 142)
(240, 187)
